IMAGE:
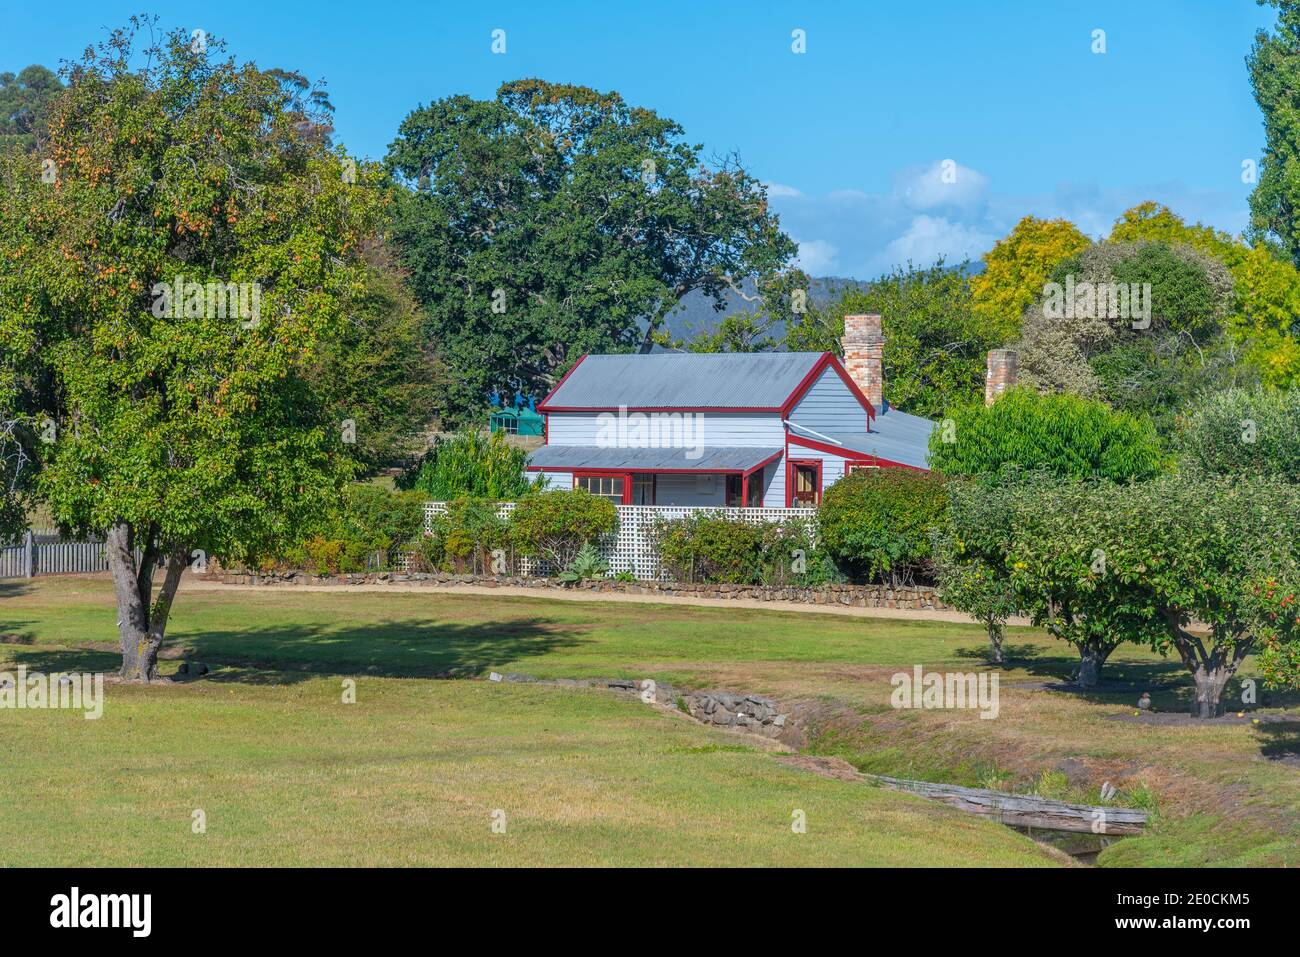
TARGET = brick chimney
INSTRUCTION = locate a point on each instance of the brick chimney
(864, 351)
(1000, 375)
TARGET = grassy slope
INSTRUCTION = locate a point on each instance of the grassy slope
(410, 774)
(1221, 801)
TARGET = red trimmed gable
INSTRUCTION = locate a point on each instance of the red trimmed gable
(828, 359)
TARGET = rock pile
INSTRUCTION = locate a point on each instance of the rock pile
(746, 712)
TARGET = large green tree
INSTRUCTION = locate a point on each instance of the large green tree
(556, 220)
(935, 342)
(24, 101)
(14, 472)
(1274, 65)
(378, 372)
(1151, 360)
(1018, 265)
(1263, 318)
(174, 427)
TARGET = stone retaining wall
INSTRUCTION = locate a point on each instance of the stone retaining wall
(918, 597)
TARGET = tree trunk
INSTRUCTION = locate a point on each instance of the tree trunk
(1210, 669)
(132, 613)
(1092, 655)
(995, 641)
(1209, 691)
(141, 620)
(1212, 678)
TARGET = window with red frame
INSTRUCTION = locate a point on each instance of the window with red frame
(606, 486)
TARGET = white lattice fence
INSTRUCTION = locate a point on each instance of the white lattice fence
(631, 547)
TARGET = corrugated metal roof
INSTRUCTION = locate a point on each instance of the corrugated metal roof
(566, 457)
(896, 436)
(732, 380)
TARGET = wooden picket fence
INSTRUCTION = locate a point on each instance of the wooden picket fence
(45, 552)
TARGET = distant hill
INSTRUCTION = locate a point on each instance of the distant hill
(695, 314)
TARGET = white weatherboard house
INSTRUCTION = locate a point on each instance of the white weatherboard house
(740, 429)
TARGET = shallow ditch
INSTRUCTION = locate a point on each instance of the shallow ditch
(786, 727)
(1084, 848)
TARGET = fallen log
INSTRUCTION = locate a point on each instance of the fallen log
(1020, 810)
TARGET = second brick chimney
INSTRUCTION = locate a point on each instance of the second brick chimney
(864, 352)
(1000, 374)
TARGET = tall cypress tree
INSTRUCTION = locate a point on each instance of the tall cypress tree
(1274, 65)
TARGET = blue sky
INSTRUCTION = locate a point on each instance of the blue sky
(851, 134)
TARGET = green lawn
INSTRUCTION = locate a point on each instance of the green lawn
(287, 774)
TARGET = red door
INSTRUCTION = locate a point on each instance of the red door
(805, 483)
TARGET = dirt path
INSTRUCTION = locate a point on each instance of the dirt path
(562, 594)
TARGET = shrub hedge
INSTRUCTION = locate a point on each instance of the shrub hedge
(370, 518)
(463, 538)
(1066, 435)
(470, 465)
(554, 525)
(713, 548)
(877, 525)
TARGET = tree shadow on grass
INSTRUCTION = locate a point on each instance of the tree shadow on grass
(282, 654)
(10, 631)
(1122, 682)
(1171, 687)
(1014, 656)
(1280, 741)
(47, 660)
(411, 648)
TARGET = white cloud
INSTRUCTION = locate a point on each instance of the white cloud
(863, 235)
(782, 191)
(943, 184)
(930, 238)
(817, 257)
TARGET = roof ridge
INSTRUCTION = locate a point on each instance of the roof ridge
(693, 381)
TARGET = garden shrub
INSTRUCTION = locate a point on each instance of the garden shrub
(462, 539)
(554, 525)
(331, 556)
(370, 510)
(714, 548)
(370, 518)
(1063, 434)
(877, 525)
(587, 564)
(470, 464)
(1244, 432)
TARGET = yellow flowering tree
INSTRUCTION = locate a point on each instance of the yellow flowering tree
(1017, 266)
